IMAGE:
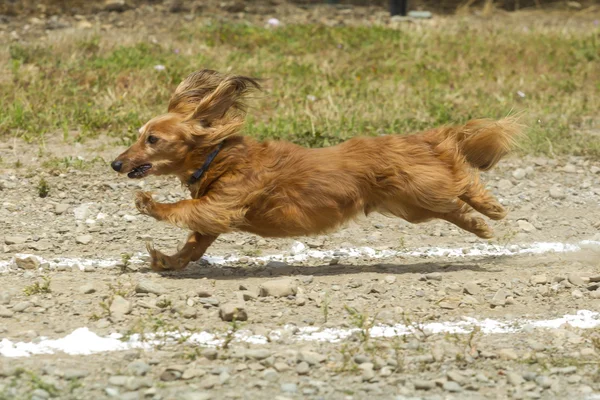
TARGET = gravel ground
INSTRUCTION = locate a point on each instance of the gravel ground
(89, 270)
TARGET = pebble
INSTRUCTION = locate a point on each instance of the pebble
(577, 294)
(230, 311)
(557, 193)
(15, 239)
(311, 357)
(210, 354)
(60, 208)
(5, 298)
(147, 286)
(508, 354)
(519, 173)
(390, 279)
(456, 377)
(5, 312)
(22, 306)
(499, 298)
(303, 368)
(423, 384)
(543, 381)
(452, 387)
(541, 279)
(270, 375)
(289, 387)
(472, 288)
(192, 373)
(526, 226)
(433, 276)
(138, 367)
(83, 239)
(27, 262)
(504, 184)
(257, 354)
(87, 288)
(575, 279)
(120, 306)
(514, 378)
(278, 288)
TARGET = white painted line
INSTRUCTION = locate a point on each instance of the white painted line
(299, 252)
(82, 341)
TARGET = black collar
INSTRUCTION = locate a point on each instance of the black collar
(198, 174)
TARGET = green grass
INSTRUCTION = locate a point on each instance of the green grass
(325, 84)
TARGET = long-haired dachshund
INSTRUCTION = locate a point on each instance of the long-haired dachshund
(279, 189)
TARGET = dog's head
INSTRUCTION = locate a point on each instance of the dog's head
(206, 108)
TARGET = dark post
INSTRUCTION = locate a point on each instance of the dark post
(398, 7)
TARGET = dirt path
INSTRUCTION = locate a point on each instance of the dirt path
(455, 316)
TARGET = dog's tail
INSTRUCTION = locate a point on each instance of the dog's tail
(482, 142)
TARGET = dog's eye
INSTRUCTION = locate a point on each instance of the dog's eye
(152, 139)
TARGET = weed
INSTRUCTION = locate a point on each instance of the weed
(37, 287)
(125, 262)
(43, 188)
(230, 335)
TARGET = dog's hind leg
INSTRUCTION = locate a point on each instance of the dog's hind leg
(193, 250)
(482, 200)
(461, 216)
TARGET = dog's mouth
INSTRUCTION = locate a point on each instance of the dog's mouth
(139, 171)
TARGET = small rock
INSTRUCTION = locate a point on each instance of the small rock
(289, 388)
(83, 239)
(519, 173)
(21, 306)
(423, 384)
(575, 279)
(15, 240)
(499, 298)
(508, 354)
(146, 286)
(229, 312)
(311, 357)
(192, 373)
(557, 193)
(270, 375)
(391, 279)
(116, 5)
(526, 226)
(577, 294)
(5, 312)
(433, 276)
(120, 306)
(514, 378)
(278, 288)
(88, 288)
(456, 377)
(258, 354)
(472, 288)
(452, 387)
(539, 279)
(187, 312)
(60, 209)
(138, 367)
(543, 381)
(449, 304)
(505, 184)
(302, 368)
(27, 262)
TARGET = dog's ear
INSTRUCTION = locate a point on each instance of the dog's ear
(193, 89)
(227, 99)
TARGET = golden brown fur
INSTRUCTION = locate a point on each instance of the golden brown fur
(279, 189)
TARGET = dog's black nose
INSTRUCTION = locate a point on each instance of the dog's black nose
(116, 165)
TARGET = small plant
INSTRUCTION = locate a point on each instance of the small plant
(125, 262)
(37, 287)
(43, 188)
(164, 303)
(325, 305)
(18, 164)
(230, 335)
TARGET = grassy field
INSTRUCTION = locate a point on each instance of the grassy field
(323, 84)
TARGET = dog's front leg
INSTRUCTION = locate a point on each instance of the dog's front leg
(193, 250)
(204, 215)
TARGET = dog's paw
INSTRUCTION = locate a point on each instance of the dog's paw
(144, 203)
(162, 262)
